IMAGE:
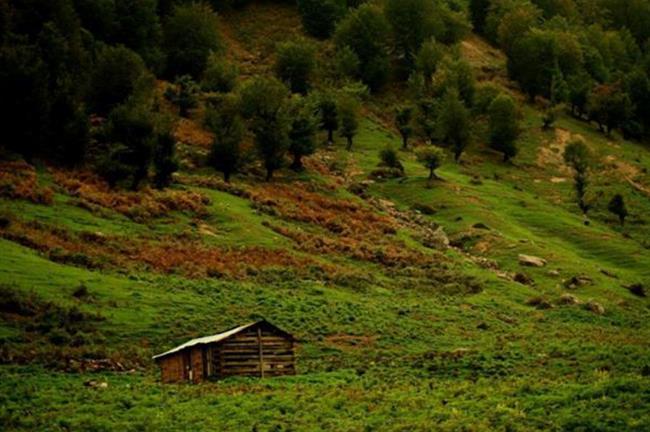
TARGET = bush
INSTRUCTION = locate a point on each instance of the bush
(219, 76)
(184, 93)
(319, 17)
(389, 157)
(617, 207)
(191, 35)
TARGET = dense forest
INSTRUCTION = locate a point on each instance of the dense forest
(79, 77)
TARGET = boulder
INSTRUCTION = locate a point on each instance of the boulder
(578, 281)
(637, 289)
(595, 307)
(436, 239)
(568, 299)
(523, 279)
(539, 303)
(531, 261)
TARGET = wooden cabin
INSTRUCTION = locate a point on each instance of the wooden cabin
(257, 349)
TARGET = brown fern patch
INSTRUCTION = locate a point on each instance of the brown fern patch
(19, 180)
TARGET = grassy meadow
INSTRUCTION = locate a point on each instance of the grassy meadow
(393, 334)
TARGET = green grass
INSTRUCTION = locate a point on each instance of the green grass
(380, 349)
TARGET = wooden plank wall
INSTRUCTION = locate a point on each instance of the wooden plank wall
(171, 369)
(241, 354)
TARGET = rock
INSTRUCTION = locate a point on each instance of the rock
(481, 225)
(554, 273)
(531, 261)
(539, 303)
(578, 281)
(637, 289)
(568, 299)
(96, 384)
(523, 279)
(483, 326)
(436, 239)
(595, 307)
(609, 273)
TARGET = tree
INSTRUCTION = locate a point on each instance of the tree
(413, 22)
(131, 138)
(118, 74)
(428, 58)
(219, 76)
(228, 128)
(427, 118)
(578, 157)
(264, 103)
(478, 10)
(165, 161)
(503, 126)
(532, 61)
(617, 207)
(456, 74)
(347, 63)
(609, 106)
(328, 112)
(404, 123)
(137, 26)
(319, 17)
(191, 34)
(431, 158)
(183, 93)
(454, 123)
(302, 134)
(365, 30)
(25, 104)
(348, 109)
(579, 86)
(294, 64)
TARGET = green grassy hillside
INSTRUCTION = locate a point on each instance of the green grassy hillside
(395, 333)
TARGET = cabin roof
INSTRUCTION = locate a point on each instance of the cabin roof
(215, 338)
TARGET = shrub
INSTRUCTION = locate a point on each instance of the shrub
(389, 157)
(617, 207)
(184, 93)
(319, 17)
(219, 76)
(302, 134)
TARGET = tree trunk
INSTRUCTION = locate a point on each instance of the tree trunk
(349, 146)
(296, 165)
(330, 136)
(226, 176)
(269, 174)
(405, 142)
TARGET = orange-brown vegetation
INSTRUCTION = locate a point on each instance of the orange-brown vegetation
(93, 192)
(181, 254)
(343, 217)
(194, 259)
(189, 132)
(19, 180)
(390, 254)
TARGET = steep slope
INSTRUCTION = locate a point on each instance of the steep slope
(396, 331)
